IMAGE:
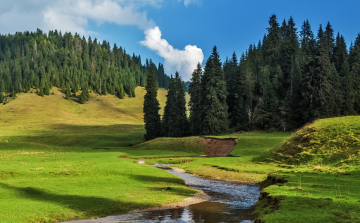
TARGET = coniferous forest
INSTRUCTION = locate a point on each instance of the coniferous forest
(293, 77)
(37, 61)
(290, 78)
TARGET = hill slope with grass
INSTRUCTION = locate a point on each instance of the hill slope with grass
(60, 160)
(326, 141)
(107, 109)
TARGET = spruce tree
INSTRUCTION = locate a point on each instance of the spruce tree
(183, 122)
(341, 62)
(195, 100)
(355, 72)
(168, 123)
(267, 116)
(41, 92)
(214, 108)
(308, 72)
(243, 91)
(151, 107)
(319, 88)
(1, 97)
(84, 96)
(174, 122)
(231, 71)
(46, 89)
(68, 92)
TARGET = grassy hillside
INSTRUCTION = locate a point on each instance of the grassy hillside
(322, 182)
(61, 160)
(319, 182)
(326, 141)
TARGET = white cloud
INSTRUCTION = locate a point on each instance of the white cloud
(183, 61)
(72, 15)
(189, 2)
(75, 16)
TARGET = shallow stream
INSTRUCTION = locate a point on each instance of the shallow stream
(229, 203)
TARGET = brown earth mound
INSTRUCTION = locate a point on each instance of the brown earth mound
(219, 147)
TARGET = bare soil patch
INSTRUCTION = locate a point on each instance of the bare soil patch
(219, 147)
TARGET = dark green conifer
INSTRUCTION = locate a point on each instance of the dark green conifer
(1, 97)
(267, 117)
(67, 92)
(231, 71)
(168, 123)
(195, 100)
(151, 107)
(84, 96)
(183, 123)
(41, 92)
(355, 72)
(46, 89)
(174, 122)
(214, 108)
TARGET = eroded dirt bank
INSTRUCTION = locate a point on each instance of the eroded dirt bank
(218, 147)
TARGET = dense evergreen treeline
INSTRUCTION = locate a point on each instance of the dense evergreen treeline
(288, 79)
(38, 60)
(208, 108)
(293, 77)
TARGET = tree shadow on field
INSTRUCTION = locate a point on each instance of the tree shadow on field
(91, 136)
(77, 129)
(156, 179)
(88, 206)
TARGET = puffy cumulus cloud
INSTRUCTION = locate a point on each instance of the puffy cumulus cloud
(72, 15)
(75, 15)
(183, 61)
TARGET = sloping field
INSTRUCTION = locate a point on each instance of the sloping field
(326, 141)
(60, 160)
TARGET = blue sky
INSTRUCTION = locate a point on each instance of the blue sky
(177, 33)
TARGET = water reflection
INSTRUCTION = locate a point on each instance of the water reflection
(229, 203)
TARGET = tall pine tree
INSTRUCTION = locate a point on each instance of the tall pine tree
(151, 107)
(214, 108)
(195, 100)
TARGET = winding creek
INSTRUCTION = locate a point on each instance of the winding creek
(229, 203)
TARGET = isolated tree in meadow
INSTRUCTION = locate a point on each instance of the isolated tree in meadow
(151, 107)
(195, 100)
(214, 108)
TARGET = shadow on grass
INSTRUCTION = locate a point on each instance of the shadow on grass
(121, 129)
(156, 179)
(94, 136)
(87, 206)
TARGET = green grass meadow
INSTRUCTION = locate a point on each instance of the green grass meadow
(60, 160)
